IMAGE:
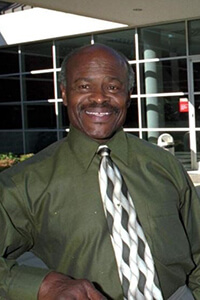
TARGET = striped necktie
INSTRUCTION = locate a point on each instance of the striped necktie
(134, 260)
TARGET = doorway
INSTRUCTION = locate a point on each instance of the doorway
(194, 111)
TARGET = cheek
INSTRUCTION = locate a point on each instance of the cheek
(72, 113)
(124, 107)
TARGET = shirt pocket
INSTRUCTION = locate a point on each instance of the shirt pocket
(170, 244)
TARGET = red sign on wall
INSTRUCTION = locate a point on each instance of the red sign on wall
(183, 105)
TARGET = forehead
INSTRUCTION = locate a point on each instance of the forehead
(96, 62)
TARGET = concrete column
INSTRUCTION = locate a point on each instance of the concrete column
(153, 84)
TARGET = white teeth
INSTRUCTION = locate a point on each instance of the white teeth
(99, 114)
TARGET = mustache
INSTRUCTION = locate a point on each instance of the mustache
(100, 105)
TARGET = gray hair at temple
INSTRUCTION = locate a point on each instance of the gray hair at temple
(131, 74)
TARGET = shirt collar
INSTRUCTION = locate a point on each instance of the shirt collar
(84, 148)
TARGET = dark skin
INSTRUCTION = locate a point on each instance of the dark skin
(96, 95)
(97, 98)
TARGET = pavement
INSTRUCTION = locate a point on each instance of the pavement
(195, 176)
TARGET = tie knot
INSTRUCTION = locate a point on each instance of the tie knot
(103, 150)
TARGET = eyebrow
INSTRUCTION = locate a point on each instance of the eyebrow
(88, 79)
(83, 79)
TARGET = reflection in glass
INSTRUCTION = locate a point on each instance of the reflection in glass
(10, 117)
(159, 41)
(37, 56)
(12, 142)
(196, 75)
(163, 112)
(181, 143)
(198, 145)
(65, 46)
(134, 91)
(36, 141)
(58, 85)
(40, 115)
(164, 76)
(64, 116)
(132, 115)
(10, 89)
(182, 147)
(38, 86)
(194, 36)
(197, 110)
(122, 41)
(9, 62)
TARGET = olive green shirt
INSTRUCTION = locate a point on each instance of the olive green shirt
(51, 205)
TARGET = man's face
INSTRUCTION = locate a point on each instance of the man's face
(96, 95)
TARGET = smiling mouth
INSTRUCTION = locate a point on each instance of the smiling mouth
(98, 114)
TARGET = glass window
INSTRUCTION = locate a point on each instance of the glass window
(36, 141)
(197, 110)
(40, 115)
(194, 36)
(37, 56)
(9, 61)
(64, 47)
(10, 89)
(133, 133)
(10, 117)
(134, 92)
(132, 115)
(198, 144)
(163, 112)
(122, 41)
(196, 75)
(12, 142)
(38, 86)
(58, 86)
(164, 76)
(64, 116)
(166, 40)
(62, 134)
(181, 143)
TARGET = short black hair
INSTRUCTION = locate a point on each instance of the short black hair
(62, 76)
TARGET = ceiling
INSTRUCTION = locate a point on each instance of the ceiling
(130, 12)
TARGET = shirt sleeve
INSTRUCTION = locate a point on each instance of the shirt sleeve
(190, 212)
(16, 282)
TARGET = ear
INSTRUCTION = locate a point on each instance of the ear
(129, 98)
(63, 94)
(128, 103)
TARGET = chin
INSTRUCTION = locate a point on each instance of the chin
(100, 137)
(99, 133)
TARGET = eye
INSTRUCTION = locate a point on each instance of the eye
(83, 87)
(113, 87)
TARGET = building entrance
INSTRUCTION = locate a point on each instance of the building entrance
(194, 111)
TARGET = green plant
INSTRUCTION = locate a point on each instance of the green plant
(9, 159)
(25, 156)
(8, 155)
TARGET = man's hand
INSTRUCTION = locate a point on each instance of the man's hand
(57, 286)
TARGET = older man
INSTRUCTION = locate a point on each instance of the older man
(119, 221)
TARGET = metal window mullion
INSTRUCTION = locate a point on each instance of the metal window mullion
(22, 98)
(138, 84)
(55, 89)
(193, 146)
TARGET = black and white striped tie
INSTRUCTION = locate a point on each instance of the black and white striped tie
(133, 255)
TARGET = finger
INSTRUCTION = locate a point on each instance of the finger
(93, 294)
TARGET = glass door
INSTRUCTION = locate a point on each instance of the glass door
(194, 111)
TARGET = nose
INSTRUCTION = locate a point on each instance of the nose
(99, 96)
